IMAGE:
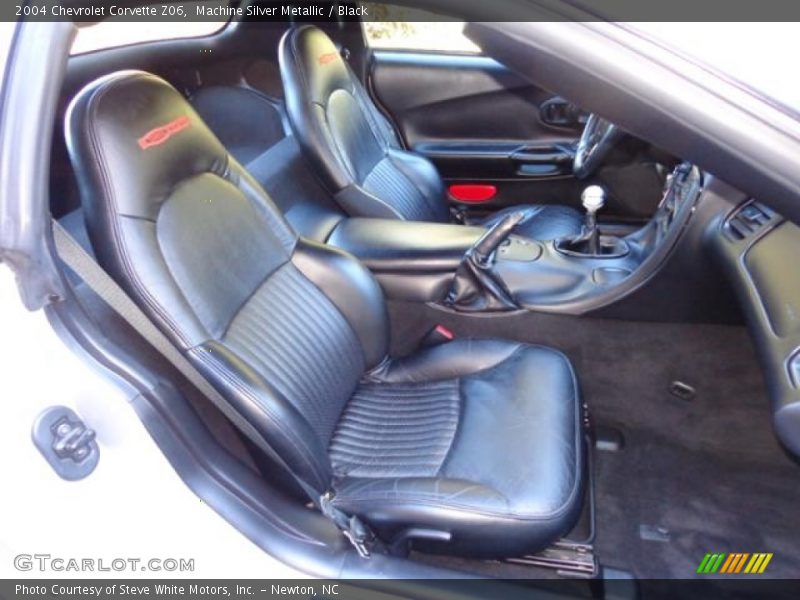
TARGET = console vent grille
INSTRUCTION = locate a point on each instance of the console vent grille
(748, 220)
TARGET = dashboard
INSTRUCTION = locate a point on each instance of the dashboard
(759, 251)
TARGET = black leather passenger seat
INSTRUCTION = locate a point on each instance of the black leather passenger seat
(480, 439)
(358, 154)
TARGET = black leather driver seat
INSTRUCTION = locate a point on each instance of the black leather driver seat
(478, 438)
(356, 151)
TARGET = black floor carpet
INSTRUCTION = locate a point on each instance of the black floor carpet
(709, 471)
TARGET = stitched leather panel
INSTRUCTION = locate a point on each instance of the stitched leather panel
(396, 430)
(526, 406)
(390, 185)
(194, 230)
(294, 336)
(356, 142)
(511, 481)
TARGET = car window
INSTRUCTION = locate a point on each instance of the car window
(756, 64)
(402, 28)
(111, 32)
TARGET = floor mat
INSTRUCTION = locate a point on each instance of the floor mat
(708, 470)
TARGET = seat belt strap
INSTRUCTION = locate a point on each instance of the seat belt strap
(101, 283)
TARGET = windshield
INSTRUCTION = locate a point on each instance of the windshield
(755, 54)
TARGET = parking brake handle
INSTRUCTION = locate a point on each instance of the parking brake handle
(475, 288)
(483, 249)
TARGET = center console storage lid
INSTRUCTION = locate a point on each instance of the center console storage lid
(392, 245)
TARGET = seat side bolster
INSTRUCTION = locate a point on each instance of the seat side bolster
(425, 494)
(352, 289)
(275, 418)
(357, 201)
(454, 359)
(304, 99)
(425, 178)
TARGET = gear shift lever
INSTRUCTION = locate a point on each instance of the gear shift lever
(589, 243)
(593, 199)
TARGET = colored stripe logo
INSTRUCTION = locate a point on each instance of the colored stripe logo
(736, 562)
(161, 134)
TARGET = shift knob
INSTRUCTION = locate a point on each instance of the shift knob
(593, 198)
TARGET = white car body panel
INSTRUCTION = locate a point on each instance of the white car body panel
(134, 505)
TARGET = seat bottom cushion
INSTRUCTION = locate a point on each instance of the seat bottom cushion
(478, 438)
(544, 222)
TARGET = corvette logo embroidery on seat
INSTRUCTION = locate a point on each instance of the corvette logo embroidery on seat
(161, 134)
(329, 57)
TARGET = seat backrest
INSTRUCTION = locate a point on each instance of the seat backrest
(348, 141)
(283, 327)
(251, 127)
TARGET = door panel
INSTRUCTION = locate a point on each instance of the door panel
(481, 123)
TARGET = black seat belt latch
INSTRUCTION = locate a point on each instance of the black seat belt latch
(353, 528)
(436, 336)
(459, 215)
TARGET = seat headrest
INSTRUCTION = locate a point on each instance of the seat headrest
(133, 137)
(171, 215)
(321, 68)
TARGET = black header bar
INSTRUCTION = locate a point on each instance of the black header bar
(412, 10)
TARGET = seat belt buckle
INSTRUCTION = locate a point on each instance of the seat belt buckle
(353, 528)
(437, 335)
(458, 214)
(359, 536)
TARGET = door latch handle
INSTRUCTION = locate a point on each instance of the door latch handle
(559, 112)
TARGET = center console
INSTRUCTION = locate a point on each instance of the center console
(471, 269)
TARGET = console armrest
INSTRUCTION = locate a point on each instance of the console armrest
(387, 245)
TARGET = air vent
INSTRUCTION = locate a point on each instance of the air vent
(748, 220)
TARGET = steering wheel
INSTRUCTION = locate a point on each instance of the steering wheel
(597, 139)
